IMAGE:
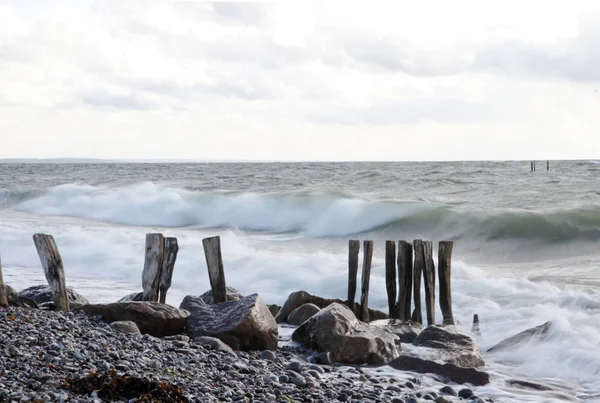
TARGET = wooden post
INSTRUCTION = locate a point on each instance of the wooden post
(548, 165)
(216, 273)
(475, 327)
(170, 250)
(405, 257)
(390, 276)
(444, 272)
(3, 297)
(366, 274)
(353, 249)
(153, 262)
(419, 269)
(53, 269)
(429, 275)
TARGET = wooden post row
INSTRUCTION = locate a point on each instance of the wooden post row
(153, 263)
(444, 273)
(53, 269)
(170, 250)
(366, 274)
(429, 282)
(419, 269)
(3, 297)
(353, 249)
(405, 269)
(216, 274)
(390, 276)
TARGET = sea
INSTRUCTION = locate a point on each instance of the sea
(526, 244)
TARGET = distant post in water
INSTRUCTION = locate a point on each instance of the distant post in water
(353, 249)
(390, 276)
(3, 297)
(418, 272)
(405, 257)
(444, 271)
(216, 273)
(53, 269)
(366, 274)
(170, 250)
(429, 282)
(548, 165)
(153, 263)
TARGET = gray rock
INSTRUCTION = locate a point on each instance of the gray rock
(406, 331)
(335, 329)
(449, 371)
(214, 343)
(302, 314)
(322, 358)
(453, 346)
(442, 399)
(136, 296)
(268, 355)
(465, 393)
(533, 334)
(232, 295)
(295, 366)
(11, 295)
(448, 390)
(41, 294)
(125, 327)
(245, 324)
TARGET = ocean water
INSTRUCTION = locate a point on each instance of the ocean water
(527, 244)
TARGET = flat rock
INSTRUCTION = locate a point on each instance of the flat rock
(41, 294)
(407, 331)
(449, 371)
(214, 343)
(453, 346)
(125, 326)
(245, 324)
(335, 329)
(533, 334)
(302, 314)
(528, 385)
(153, 318)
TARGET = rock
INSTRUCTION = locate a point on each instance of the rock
(299, 298)
(465, 393)
(231, 293)
(322, 358)
(335, 329)
(302, 314)
(295, 366)
(214, 343)
(454, 347)
(244, 324)
(451, 372)
(11, 295)
(267, 355)
(136, 296)
(442, 399)
(274, 309)
(41, 294)
(126, 326)
(448, 390)
(533, 334)
(153, 318)
(406, 331)
(528, 385)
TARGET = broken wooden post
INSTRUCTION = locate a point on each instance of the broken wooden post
(53, 269)
(475, 327)
(153, 262)
(444, 272)
(3, 297)
(216, 273)
(419, 269)
(405, 257)
(353, 249)
(170, 250)
(366, 274)
(429, 275)
(390, 275)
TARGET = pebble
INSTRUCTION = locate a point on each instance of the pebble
(465, 393)
(448, 390)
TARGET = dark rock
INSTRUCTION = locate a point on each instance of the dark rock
(156, 319)
(267, 355)
(214, 344)
(533, 334)
(232, 295)
(302, 314)
(125, 326)
(406, 331)
(274, 309)
(448, 390)
(465, 393)
(244, 324)
(322, 358)
(441, 399)
(451, 372)
(335, 329)
(454, 346)
(41, 294)
(136, 296)
(528, 385)
(11, 295)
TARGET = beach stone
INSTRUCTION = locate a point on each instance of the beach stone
(268, 355)
(11, 295)
(442, 399)
(126, 326)
(407, 331)
(152, 318)
(274, 309)
(453, 346)
(449, 390)
(528, 384)
(451, 372)
(136, 296)
(302, 314)
(335, 329)
(41, 294)
(231, 294)
(244, 324)
(323, 358)
(465, 393)
(533, 334)
(214, 343)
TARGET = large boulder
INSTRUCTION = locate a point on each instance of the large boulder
(451, 345)
(406, 331)
(335, 329)
(42, 294)
(302, 314)
(231, 294)
(299, 298)
(451, 372)
(153, 318)
(245, 324)
(533, 334)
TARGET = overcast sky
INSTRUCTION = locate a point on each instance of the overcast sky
(323, 80)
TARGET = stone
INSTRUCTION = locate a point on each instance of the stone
(533, 334)
(274, 309)
(442, 399)
(11, 295)
(528, 385)
(448, 390)
(451, 345)
(323, 358)
(295, 366)
(136, 296)
(244, 324)
(465, 393)
(126, 326)
(231, 293)
(335, 329)
(299, 298)
(267, 355)
(152, 318)
(302, 314)
(407, 331)
(41, 294)
(214, 344)
(449, 371)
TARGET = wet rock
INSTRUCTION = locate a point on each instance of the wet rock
(41, 294)
(465, 393)
(449, 371)
(406, 331)
(214, 344)
(136, 296)
(302, 314)
(448, 390)
(528, 384)
(453, 346)
(231, 294)
(125, 327)
(323, 358)
(274, 309)
(533, 334)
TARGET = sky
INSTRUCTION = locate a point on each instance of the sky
(300, 80)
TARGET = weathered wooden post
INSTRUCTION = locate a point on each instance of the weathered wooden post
(53, 269)
(444, 272)
(216, 273)
(153, 263)
(429, 282)
(390, 276)
(405, 257)
(475, 327)
(3, 297)
(366, 274)
(353, 249)
(170, 250)
(419, 269)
